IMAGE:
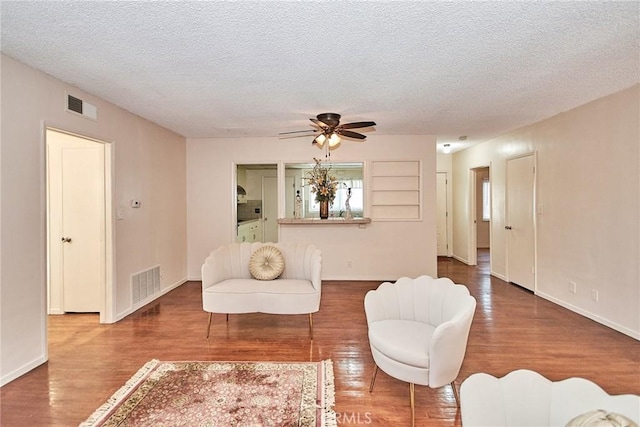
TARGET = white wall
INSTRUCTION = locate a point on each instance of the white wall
(588, 183)
(384, 250)
(148, 164)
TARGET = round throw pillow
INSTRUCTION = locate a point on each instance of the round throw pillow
(601, 418)
(266, 263)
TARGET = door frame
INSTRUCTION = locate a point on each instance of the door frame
(472, 226)
(534, 155)
(107, 292)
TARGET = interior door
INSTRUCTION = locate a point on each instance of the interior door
(270, 208)
(520, 221)
(441, 220)
(83, 227)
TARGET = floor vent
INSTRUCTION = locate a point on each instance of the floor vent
(145, 284)
(77, 105)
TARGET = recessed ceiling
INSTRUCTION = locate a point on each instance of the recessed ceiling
(254, 68)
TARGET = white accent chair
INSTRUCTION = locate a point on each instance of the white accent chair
(228, 287)
(526, 398)
(418, 331)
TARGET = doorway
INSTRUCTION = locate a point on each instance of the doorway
(78, 224)
(479, 213)
(442, 214)
(483, 209)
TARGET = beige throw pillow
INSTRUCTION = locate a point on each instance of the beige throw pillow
(601, 418)
(266, 263)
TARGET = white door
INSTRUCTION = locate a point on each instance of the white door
(520, 221)
(76, 217)
(441, 220)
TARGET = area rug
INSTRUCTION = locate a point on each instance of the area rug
(229, 394)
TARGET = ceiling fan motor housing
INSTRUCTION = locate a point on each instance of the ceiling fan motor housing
(329, 119)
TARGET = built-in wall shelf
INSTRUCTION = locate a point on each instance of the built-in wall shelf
(395, 190)
(318, 221)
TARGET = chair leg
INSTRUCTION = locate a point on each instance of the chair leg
(455, 393)
(311, 325)
(373, 378)
(227, 317)
(209, 325)
(412, 394)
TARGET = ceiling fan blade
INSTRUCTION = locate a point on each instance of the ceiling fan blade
(356, 125)
(350, 134)
(298, 131)
(320, 124)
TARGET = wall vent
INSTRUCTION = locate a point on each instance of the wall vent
(78, 106)
(145, 284)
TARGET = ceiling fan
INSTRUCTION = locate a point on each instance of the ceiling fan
(329, 130)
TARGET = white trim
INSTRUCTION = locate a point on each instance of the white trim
(141, 304)
(16, 373)
(498, 275)
(459, 258)
(589, 315)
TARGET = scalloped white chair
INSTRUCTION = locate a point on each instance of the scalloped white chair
(418, 331)
(527, 398)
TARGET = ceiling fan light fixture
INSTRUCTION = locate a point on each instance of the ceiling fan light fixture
(320, 140)
(334, 140)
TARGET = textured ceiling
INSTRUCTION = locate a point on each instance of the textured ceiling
(233, 69)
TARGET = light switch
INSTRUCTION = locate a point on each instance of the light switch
(119, 214)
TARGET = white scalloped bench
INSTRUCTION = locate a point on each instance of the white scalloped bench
(228, 286)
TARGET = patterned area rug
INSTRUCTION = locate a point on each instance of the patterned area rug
(223, 394)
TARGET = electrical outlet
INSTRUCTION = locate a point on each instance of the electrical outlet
(594, 295)
(573, 287)
(349, 264)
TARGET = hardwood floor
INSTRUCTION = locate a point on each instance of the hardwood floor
(512, 329)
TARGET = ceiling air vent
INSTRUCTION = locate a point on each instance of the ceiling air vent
(77, 105)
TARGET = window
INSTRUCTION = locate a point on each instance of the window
(486, 200)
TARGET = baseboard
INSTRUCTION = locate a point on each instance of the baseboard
(462, 260)
(6, 379)
(498, 275)
(141, 304)
(360, 278)
(592, 316)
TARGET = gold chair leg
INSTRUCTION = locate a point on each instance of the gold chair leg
(311, 325)
(413, 403)
(455, 394)
(373, 378)
(209, 325)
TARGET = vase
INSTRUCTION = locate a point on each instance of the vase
(324, 209)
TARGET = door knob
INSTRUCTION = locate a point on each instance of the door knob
(508, 227)
(66, 239)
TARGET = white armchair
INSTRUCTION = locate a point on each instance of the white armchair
(526, 398)
(418, 331)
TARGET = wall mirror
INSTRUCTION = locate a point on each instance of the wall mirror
(350, 177)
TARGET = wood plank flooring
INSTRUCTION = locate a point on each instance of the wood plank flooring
(512, 329)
